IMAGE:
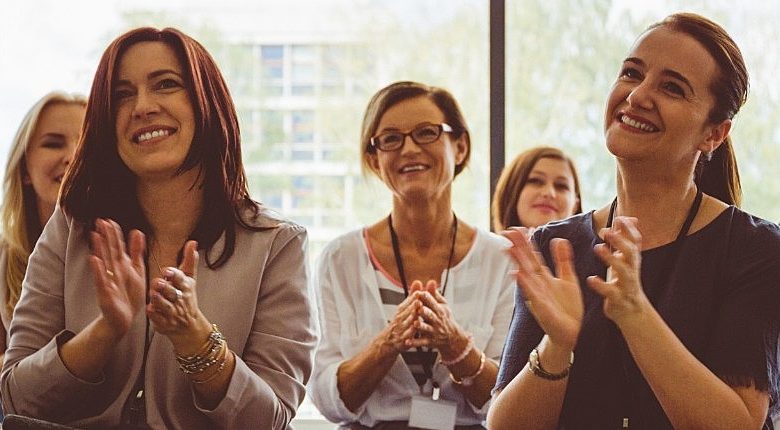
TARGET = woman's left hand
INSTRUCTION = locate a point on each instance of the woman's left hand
(437, 325)
(622, 253)
(173, 308)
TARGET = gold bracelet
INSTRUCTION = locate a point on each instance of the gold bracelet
(468, 381)
(219, 369)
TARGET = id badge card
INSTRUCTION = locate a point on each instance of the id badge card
(432, 414)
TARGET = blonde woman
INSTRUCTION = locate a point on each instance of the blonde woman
(41, 152)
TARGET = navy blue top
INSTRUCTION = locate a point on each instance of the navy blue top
(719, 293)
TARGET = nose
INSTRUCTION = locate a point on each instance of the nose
(641, 96)
(411, 147)
(549, 190)
(145, 105)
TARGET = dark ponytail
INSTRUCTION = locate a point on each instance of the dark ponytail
(718, 176)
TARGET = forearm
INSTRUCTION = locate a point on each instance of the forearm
(529, 401)
(478, 392)
(358, 377)
(690, 394)
(87, 353)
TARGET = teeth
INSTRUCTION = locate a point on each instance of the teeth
(636, 124)
(150, 135)
(414, 168)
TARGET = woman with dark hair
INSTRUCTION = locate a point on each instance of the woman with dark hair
(414, 307)
(160, 293)
(539, 186)
(678, 325)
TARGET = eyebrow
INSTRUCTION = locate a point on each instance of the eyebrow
(55, 135)
(152, 75)
(667, 72)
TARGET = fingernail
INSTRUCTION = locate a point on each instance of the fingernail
(160, 283)
(168, 273)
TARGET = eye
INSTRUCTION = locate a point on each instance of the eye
(563, 186)
(122, 93)
(535, 181)
(167, 84)
(673, 88)
(630, 73)
(52, 144)
(427, 133)
(390, 139)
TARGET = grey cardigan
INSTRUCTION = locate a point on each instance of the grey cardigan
(259, 299)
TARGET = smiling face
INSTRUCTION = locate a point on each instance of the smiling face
(549, 193)
(417, 171)
(50, 151)
(155, 121)
(659, 106)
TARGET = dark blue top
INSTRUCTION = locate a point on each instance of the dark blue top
(719, 293)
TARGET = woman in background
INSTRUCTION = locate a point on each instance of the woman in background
(539, 186)
(40, 154)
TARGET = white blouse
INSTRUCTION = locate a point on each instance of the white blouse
(481, 297)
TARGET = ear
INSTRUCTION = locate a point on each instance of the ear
(373, 162)
(716, 135)
(462, 148)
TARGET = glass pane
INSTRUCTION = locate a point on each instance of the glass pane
(562, 57)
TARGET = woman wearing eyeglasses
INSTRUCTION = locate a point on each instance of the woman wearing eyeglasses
(415, 307)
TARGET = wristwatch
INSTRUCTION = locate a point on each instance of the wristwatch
(536, 367)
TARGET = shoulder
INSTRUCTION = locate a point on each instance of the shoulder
(578, 229)
(748, 231)
(346, 246)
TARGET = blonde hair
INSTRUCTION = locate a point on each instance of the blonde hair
(20, 229)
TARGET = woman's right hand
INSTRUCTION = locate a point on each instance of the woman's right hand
(398, 334)
(554, 301)
(120, 274)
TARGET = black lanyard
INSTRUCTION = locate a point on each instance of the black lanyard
(631, 392)
(428, 358)
(400, 263)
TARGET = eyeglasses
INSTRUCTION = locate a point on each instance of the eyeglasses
(421, 135)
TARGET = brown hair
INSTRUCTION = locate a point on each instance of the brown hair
(513, 179)
(717, 173)
(397, 92)
(100, 185)
(20, 225)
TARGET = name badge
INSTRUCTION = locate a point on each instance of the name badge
(433, 414)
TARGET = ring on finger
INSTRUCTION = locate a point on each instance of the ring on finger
(178, 295)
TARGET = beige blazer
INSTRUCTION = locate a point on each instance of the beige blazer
(259, 299)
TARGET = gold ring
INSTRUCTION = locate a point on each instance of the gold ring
(109, 273)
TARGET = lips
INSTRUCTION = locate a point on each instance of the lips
(152, 132)
(413, 167)
(545, 207)
(636, 123)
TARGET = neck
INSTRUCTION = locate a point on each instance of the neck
(44, 213)
(423, 224)
(172, 207)
(660, 200)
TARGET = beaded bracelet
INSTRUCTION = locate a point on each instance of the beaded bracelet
(221, 367)
(463, 355)
(207, 357)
